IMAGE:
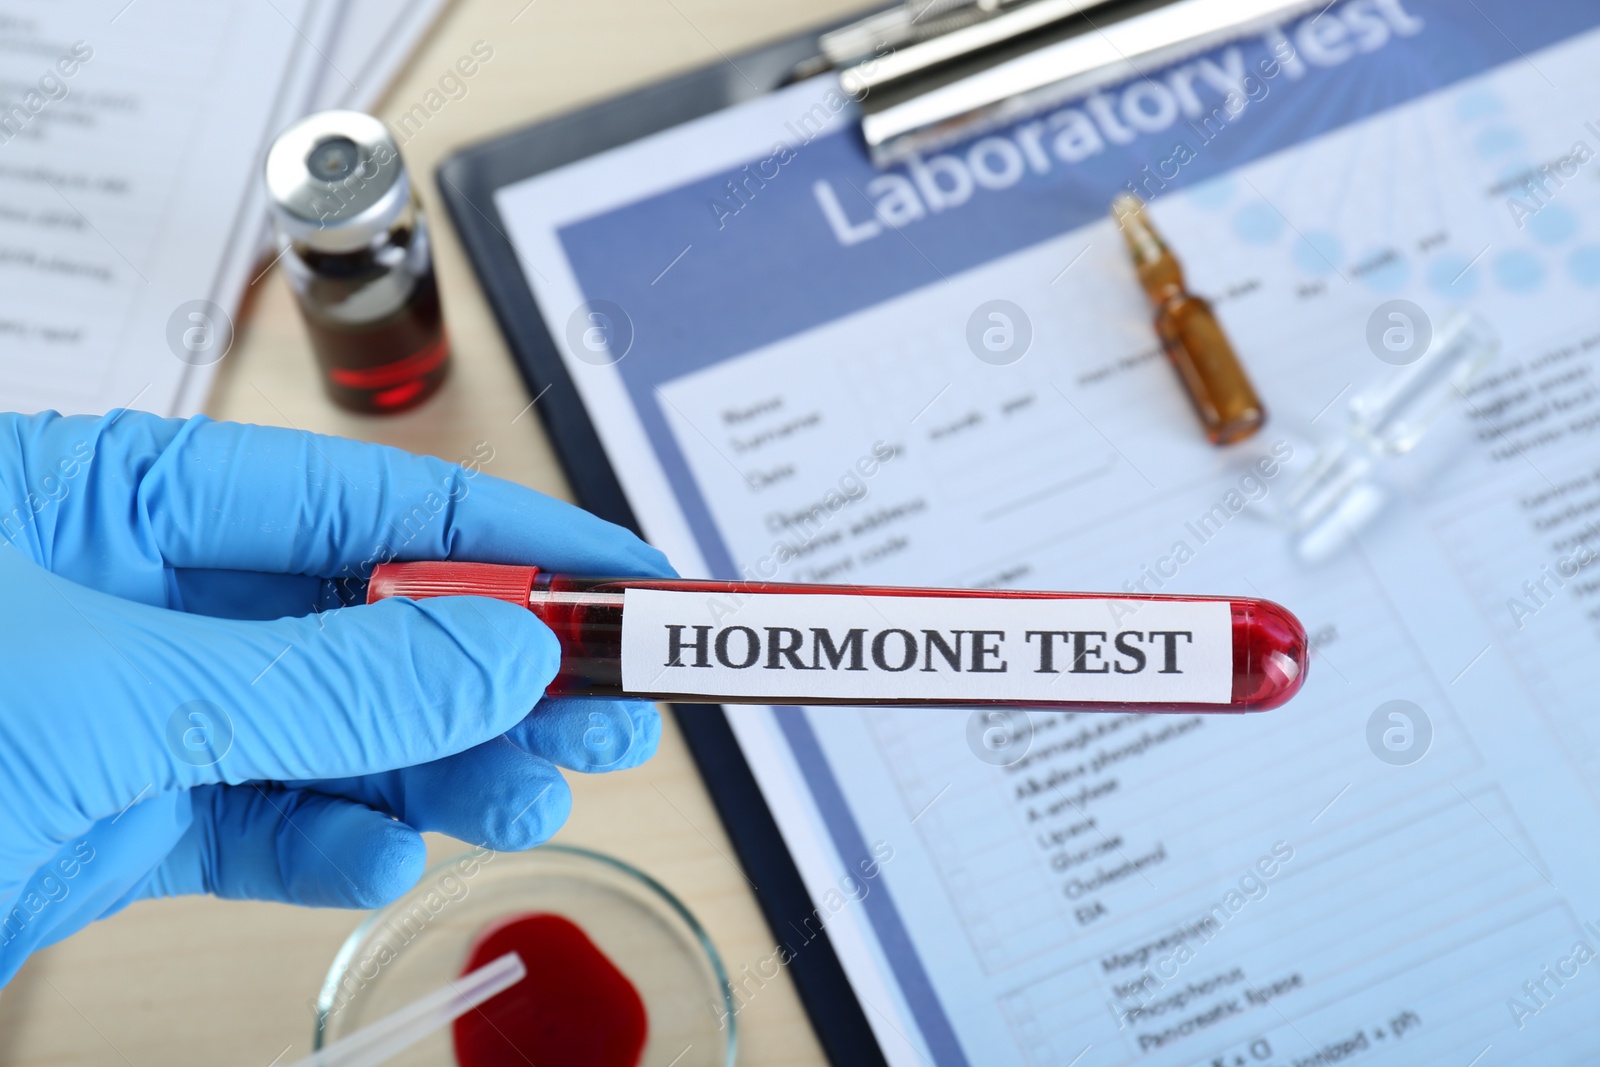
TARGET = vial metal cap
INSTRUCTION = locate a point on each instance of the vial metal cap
(336, 180)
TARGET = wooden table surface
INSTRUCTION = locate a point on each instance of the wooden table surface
(207, 982)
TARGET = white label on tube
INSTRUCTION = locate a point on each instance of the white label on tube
(801, 646)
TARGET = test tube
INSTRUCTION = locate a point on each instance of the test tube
(1215, 380)
(773, 643)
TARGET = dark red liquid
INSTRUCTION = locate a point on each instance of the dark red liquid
(388, 365)
(574, 1009)
(374, 319)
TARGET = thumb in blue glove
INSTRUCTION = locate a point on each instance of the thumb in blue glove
(177, 722)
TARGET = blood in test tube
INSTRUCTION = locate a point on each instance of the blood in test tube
(354, 243)
(1257, 659)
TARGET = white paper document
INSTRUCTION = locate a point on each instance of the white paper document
(131, 142)
(129, 151)
(373, 39)
(945, 375)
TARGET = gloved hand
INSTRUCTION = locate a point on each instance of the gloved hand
(187, 707)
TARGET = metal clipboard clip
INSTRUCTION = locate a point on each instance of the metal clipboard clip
(930, 73)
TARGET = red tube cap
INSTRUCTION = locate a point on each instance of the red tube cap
(418, 581)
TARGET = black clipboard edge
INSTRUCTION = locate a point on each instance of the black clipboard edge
(830, 1001)
(467, 181)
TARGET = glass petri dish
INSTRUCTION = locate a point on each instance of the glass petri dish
(410, 948)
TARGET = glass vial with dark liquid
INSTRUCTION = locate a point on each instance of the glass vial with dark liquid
(354, 242)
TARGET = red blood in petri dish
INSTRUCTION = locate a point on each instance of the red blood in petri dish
(574, 1009)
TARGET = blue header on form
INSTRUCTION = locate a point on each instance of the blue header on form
(815, 235)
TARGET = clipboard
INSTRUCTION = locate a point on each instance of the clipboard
(467, 182)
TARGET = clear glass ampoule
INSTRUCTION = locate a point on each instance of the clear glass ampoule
(1344, 487)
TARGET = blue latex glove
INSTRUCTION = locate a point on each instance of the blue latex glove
(187, 707)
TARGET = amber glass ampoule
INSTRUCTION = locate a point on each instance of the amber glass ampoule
(1223, 397)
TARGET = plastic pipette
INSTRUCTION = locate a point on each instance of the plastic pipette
(393, 1034)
